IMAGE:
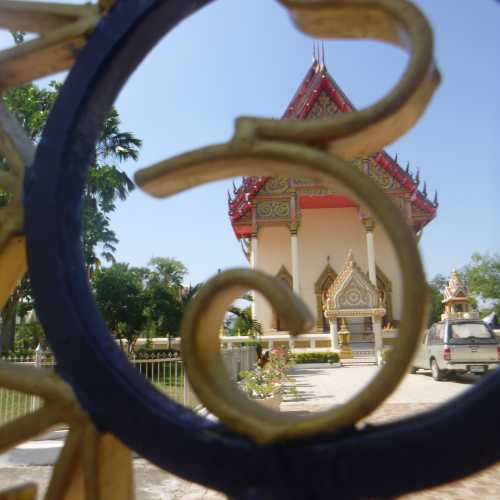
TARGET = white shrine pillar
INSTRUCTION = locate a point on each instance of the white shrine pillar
(377, 333)
(334, 334)
(294, 240)
(254, 256)
(370, 246)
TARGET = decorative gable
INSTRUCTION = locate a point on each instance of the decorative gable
(352, 289)
(323, 107)
(319, 96)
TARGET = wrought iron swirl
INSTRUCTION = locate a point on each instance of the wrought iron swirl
(252, 453)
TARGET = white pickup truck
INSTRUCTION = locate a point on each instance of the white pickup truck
(457, 346)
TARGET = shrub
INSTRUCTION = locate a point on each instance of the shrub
(316, 357)
(263, 382)
(257, 383)
(28, 336)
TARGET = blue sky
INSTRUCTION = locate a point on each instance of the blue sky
(235, 58)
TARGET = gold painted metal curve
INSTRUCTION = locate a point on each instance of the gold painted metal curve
(201, 353)
(104, 458)
(202, 319)
(363, 132)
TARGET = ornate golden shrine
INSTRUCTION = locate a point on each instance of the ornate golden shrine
(457, 303)
(352, 295)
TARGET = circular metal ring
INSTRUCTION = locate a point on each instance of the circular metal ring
(119, 399)
(201, 322)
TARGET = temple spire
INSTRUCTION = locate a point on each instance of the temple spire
(323, 65)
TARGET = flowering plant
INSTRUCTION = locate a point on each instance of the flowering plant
(265, 382)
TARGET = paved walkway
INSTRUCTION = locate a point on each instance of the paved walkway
(319, 388)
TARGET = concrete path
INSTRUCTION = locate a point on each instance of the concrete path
(321, 387)
(42, 451)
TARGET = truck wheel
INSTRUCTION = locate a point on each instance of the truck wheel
(437, 374)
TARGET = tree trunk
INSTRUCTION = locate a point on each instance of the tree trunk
(8, 327)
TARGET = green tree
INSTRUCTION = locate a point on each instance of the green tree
(121, 298)
(240, 320)
(170, 272)
(106, 183)
(483, 277)
(138, 301)
(166, 296)
(437, 285)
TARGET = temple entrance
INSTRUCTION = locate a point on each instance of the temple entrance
(321, 287)
(384, 286)
(361, 329)
(356, 301)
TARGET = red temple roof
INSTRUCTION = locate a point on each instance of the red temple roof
(318, 96)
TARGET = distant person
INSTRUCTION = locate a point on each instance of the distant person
(492, 321)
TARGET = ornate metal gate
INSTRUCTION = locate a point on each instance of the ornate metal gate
(253, 453)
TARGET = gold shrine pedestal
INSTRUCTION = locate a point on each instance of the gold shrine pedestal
(344, 342)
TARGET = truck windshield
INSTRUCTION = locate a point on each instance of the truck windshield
(467, 330)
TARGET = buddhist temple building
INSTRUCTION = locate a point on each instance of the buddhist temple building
(318, 241)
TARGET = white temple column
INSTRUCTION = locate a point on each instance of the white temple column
(294, 240)
(377, 333)
(370, 245)
(254, 255)
(334, 334)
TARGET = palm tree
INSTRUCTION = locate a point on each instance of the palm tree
(106, 184)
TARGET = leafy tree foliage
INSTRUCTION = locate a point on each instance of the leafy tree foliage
(436, 286)
(119, 293)
(240, 321)
(170, 272)
(167, 297)
(483, 276)
(106, 183)
(138, 301)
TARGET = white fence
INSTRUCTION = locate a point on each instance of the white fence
(14, 404)
(167, 374)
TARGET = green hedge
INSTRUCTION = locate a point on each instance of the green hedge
(316, 357)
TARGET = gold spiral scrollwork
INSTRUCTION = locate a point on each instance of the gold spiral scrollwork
(201, 322)
(368, 130)
(311, 149)
(91, 465)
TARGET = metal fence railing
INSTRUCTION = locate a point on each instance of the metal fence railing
(14, 404)
(166, 373)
